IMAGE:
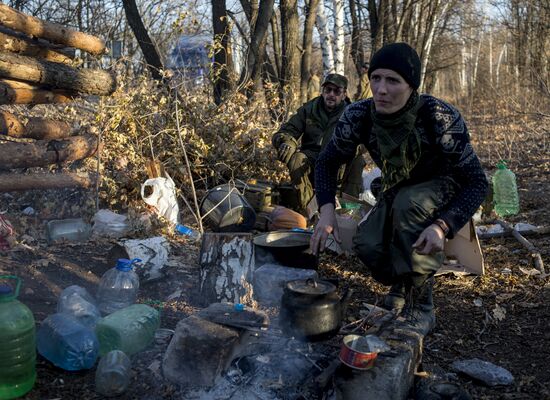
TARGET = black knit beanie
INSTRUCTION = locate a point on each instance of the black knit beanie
(401, 58)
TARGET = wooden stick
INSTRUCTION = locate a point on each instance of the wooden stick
(15, 92)
(56, 75)
(543, 230)
(56, 33)
(534, 252)
(45, 152)
(17, 182)
(24, 46)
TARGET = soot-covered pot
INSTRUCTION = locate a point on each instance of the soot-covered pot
(312, 310)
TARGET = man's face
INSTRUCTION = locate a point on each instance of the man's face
(333, 96)
(390, 90)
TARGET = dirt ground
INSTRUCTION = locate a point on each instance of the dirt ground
(501, 317)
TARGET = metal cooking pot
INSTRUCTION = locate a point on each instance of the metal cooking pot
(289, 248)
(312, 310)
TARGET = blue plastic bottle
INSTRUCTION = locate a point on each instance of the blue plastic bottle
(505, 191)
(186, 231)
(67, 343)
(118, 287)
(17, 342)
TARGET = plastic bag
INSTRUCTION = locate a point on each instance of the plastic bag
(109, 223)
(163, 197)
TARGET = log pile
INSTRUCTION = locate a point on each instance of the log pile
(38, 66)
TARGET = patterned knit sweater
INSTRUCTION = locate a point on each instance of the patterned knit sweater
(446, 152)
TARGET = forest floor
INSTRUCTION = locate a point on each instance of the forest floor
(501, 317)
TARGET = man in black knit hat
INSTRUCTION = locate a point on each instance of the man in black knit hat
(432, 181)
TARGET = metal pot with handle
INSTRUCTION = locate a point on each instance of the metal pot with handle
(312, 310)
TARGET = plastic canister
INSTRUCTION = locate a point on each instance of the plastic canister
(17, 341)
(118, 287)
(113, 373)
(505, 191)
(131, 329)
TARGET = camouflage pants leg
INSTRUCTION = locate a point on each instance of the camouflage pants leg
(300, 169)
(384, 240)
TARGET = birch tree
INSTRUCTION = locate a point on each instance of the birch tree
(339, 38)
(325, 39)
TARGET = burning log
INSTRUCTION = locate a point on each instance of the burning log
(16, 182)
(55, 33)
(15, 92)
(25, 46)
(46, 152)
(36, 128)
(56, 75)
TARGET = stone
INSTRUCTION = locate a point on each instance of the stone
(231, 315)
(484, 371)
(199, 352)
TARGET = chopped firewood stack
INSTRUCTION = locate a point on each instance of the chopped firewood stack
(37, 66)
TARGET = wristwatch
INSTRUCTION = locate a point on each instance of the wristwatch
(443, 225)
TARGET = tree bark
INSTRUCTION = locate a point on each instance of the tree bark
(36, 128)
(325, 39)
(56, 75)
(290, 80)
(357, 53)
(24, 46)
(339, 36)
(45, 152)
(15, 182)
(10, 125)
(311, 14)
(33, 26)
(149, 50)
(223, 65)
(15, 92)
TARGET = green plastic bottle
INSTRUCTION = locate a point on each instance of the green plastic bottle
(505, 191)
(17, 341)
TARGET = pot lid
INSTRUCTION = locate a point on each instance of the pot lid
(311, 287)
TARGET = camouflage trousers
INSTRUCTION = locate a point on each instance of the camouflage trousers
(301, 171)
(384, 240)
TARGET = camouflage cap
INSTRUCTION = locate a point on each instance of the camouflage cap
(336, 79)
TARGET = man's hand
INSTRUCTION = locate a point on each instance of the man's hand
(285, 151)
(326, 225)
(430, 241)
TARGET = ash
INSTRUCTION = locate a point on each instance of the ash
(279, 369)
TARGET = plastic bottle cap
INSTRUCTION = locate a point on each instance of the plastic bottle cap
(5, 290)
(123, 264)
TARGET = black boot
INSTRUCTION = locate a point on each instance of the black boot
(395, 299)
(419, 310)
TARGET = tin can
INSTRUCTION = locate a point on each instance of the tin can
(355, 352)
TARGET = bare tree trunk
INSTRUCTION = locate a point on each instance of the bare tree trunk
(149, 50)
(16, 182)
(223, 66)
(33, 26)
(339, 39)
(290, 79)
(57, 75)
(357, 53)
(325, 38)
(311, 13)
(276, 34)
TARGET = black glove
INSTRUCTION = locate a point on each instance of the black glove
(285, 151)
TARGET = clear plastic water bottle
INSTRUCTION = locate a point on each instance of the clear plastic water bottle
(505, 191)
(112, 375)
(17, 341)
(76, 301)
(67, 343)
(118, 287)
(131, 329)
(186, 231)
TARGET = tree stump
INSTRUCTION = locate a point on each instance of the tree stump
(226, 268)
